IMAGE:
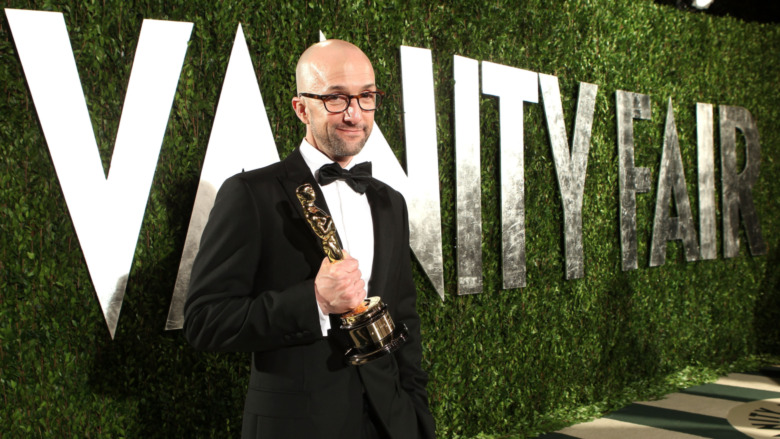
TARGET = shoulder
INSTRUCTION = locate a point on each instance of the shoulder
(384, 187)
(260, 175)
(394, 199)
(291, 166)
(394, 195)
(249, 187)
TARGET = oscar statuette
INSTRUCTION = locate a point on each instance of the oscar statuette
(371, 330)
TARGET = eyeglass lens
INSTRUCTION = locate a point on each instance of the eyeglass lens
(366, 101)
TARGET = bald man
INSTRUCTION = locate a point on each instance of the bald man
(261, 282)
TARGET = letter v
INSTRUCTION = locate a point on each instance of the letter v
(106, 211)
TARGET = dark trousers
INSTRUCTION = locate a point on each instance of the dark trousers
(371, 428)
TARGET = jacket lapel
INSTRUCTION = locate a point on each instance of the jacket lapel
(298, 173)
(384, 235)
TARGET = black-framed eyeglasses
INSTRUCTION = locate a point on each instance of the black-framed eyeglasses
(339, 102)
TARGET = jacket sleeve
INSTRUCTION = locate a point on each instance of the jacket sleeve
(225, 310)
(413, 378)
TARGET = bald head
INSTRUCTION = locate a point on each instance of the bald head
(330, 60)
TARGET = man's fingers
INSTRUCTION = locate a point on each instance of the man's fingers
(338, 285)
(346, 266)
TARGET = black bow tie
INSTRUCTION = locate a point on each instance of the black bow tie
(357, 178)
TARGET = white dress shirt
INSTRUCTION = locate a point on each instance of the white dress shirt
(351, 215)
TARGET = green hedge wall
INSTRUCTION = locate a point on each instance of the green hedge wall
(509, 363)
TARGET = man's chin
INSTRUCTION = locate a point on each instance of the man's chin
(349, 149)
(349, 152)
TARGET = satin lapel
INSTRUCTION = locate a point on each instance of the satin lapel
(384, 235)
(297, 174)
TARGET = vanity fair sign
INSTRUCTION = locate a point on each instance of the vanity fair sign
(107, 210)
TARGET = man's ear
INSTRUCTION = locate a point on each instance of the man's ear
(300, 109)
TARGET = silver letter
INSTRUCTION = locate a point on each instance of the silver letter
(671, 180)
(513, 87)
(631, 179)
(467, 175)
(706, 171)
(240, 139)
(422, 162)
(106, 212)
(737, 188)
(570, 167)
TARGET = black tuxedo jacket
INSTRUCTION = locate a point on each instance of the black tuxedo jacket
(252, 290)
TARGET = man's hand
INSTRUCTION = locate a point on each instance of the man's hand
(338, 286)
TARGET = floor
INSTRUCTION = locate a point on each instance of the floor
(737, 406)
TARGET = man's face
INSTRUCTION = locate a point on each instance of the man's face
(339, 135)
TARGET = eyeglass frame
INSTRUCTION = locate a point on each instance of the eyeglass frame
(379, 93)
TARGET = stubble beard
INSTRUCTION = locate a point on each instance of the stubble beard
(336, 147)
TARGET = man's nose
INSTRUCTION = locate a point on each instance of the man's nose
(353, 113)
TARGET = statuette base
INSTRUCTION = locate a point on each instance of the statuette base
(372, 332)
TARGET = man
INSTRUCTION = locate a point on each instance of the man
(261, 283)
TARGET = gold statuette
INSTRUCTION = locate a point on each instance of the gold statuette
(372, 333)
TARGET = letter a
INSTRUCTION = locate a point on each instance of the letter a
(671, 183)
(241, 138)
